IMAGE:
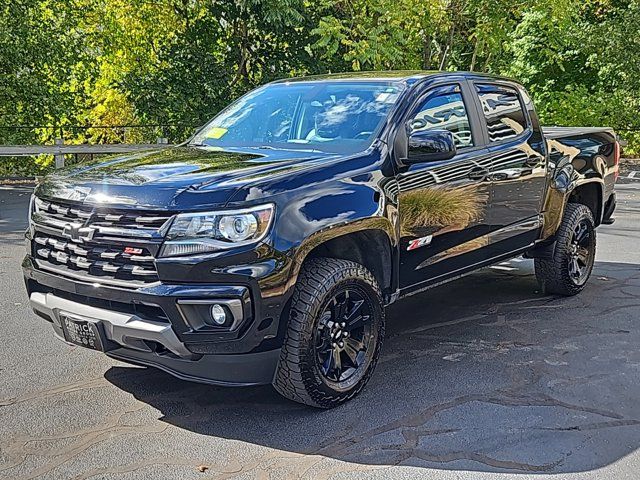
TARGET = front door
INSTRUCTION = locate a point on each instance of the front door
(443, 205)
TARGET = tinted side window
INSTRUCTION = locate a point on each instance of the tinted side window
(503, 111)
(445, 111)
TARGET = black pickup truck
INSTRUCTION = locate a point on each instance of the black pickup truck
(265, 249)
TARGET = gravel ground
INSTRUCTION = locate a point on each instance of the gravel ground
(483, 378)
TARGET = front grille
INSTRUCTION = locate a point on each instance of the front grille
(98, 245)
(109, 222)
(98, 260)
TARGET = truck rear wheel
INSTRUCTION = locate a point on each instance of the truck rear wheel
(567, 272)
(335, 332)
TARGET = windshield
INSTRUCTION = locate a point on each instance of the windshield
(340, 117)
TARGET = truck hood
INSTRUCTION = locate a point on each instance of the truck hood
(172, 178)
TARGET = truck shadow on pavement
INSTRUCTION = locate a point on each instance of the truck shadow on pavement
(482, 374)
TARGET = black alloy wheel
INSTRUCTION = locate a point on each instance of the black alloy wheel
(568, 269)
(334, 335)
(581, 252)
(344, 336)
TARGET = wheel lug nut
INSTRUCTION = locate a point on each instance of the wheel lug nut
(345, 334)
(333, 344)
(341, 344)
(343, 324)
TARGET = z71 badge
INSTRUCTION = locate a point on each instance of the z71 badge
(419, 242)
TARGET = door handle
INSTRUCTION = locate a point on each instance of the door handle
(478, 174)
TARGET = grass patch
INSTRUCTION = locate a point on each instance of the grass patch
(440, 207)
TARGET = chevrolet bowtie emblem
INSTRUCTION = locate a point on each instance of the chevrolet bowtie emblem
(77, 233)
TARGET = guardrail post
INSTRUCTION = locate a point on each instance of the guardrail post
(59, 156)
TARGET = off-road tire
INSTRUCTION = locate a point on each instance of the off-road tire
(553, 273)
(298, 376)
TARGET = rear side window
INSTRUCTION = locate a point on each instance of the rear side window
(503, 111)
(444, 111)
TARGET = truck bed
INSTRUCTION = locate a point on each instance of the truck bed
(560, 132)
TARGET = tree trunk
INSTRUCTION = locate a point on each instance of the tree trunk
(426, 54)
(449, 46)
(475, 55)
(486, 63)
(243, 71)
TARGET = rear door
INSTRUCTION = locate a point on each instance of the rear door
(518, 167)
(443, 206)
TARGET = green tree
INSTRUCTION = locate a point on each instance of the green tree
(121, 62)
(43, 67)
(224, 49)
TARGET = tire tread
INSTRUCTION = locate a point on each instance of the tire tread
(551, 274)
(317, 277)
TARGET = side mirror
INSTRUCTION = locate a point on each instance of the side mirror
(430, 146)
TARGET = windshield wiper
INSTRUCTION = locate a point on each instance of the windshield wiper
(269, 147)
(265, 147)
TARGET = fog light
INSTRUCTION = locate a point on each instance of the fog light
(218, 314)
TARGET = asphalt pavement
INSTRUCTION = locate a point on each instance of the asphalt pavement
(482, 378)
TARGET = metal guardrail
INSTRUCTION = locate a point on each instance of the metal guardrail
(59, 149)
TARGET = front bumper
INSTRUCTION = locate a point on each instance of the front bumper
(146, 342)
(147, 326)
(257, 332)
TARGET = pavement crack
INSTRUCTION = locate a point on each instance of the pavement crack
(56, 390)
(134, 467)
(594, 426)
(485, 460)
(413, 427)
(18, 449)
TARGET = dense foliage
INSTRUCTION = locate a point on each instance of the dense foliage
(68, 67)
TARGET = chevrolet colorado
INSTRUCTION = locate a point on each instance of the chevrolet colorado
(265, 249)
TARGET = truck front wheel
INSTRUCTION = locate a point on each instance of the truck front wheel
(567, 272)
(335, 331)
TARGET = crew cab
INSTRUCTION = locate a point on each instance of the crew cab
(265, 249)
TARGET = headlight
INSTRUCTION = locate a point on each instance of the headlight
(32, 206)
(191, 233)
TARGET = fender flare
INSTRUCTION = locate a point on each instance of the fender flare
(326, 234)
(557, 199)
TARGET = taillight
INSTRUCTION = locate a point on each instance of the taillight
(616, 161)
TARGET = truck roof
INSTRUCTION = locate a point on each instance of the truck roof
(407, 76)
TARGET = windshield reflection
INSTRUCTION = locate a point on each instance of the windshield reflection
(334, 117)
